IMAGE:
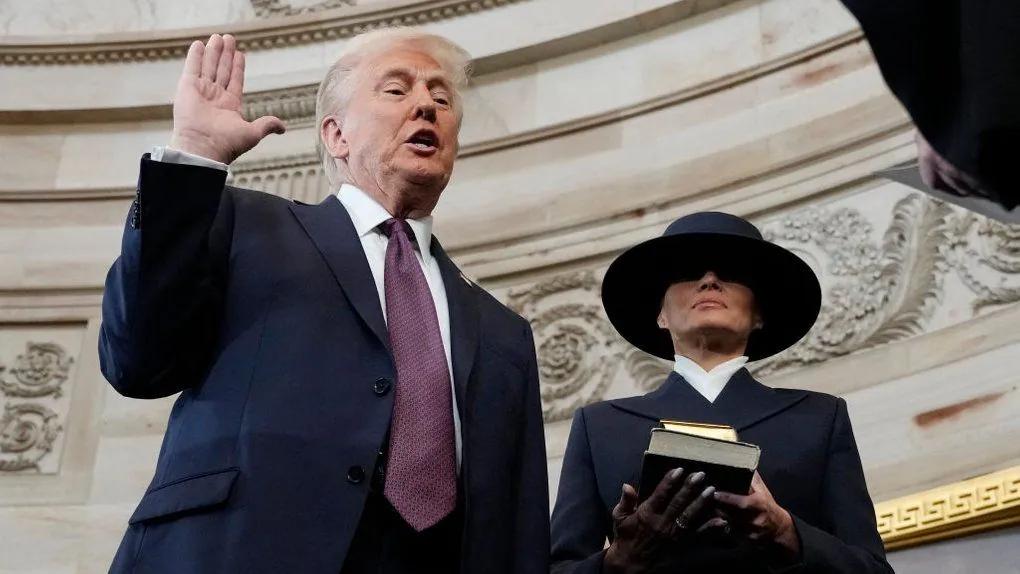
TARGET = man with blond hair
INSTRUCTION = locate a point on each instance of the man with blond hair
(349, 401)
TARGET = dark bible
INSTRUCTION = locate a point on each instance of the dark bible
(728, 465)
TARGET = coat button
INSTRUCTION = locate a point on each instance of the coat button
(381, 386)
(355, 474)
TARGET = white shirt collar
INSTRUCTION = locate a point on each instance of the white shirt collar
(367, 214)
(708, 383)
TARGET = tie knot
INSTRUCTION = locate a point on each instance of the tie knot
(397, 226)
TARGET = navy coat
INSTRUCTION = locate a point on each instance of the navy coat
(264, 313)
(809, 462)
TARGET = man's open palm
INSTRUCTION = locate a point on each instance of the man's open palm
(207, 105)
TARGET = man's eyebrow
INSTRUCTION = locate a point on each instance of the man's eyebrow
(432, 79)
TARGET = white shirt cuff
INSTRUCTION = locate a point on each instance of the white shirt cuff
(170, 155)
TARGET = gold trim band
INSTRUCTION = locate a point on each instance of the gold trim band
(950, 511)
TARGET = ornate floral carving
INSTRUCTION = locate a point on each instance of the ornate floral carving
(648, 371)
(986, 257)
(578, 350)
(27, 431)
(277, 8)
(878, 292)
(39, 372)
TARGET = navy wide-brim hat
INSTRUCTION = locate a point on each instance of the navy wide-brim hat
(784, 286)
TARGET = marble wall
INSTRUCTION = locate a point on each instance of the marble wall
(588, 127)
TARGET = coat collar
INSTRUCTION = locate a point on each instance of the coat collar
(331, 230)
(462, 298)
(744, 402)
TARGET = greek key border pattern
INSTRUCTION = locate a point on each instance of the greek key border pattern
(949, 511)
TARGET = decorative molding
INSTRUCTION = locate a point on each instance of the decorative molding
(278, 8)
(296, 106)
(579, 352)
(27, 432)
(950, 511)
(28, 429)
(886, 292)
(325, 25)
(39, 372)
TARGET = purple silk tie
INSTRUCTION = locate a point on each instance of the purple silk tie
(421, 474)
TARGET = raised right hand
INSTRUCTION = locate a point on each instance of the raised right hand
(645, 532)
(207, 104)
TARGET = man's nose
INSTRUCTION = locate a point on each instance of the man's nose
(424, 106)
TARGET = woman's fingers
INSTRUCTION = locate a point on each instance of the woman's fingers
(663, 493)
(688, 492)
(700, 504)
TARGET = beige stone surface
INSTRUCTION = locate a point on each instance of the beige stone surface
(590, 126)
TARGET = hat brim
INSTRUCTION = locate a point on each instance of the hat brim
(786, 290)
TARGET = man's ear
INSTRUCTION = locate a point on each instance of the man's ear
(661, 319)
(333, 137)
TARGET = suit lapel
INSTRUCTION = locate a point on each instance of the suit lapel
(462, 299)
(331, 230)
(744, 402)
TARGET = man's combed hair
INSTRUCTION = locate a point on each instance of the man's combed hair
(336, 88)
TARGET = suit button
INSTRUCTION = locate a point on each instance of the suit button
(381, 386)
(355, 474)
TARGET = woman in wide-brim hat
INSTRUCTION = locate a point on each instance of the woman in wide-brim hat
(711, 294)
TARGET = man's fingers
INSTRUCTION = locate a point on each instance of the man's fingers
(269, 125)
(226, 62)
(211, 59)
(193, 61)
(664, 490)
(236, 85)
(684, 497)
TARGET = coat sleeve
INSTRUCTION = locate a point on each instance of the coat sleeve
(532, 528)
(579, 523)
(163, 296)
(853, 545)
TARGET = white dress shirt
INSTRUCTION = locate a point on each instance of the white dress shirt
(708, 383)
(366, 215)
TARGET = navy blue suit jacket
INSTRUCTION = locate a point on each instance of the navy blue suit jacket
(809, 462)
(263, 312)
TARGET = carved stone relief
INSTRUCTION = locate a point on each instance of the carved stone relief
(876, 289)
(578, 350)
(296, 177)
(30, 391)
(277, 8)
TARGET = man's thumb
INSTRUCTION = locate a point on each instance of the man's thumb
(269, 125)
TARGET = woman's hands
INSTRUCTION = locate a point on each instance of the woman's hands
(758, 517)
(644, 532)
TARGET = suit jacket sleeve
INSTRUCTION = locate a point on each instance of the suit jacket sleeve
(163, 296)
(579, 526)
(532, 528)
(851, 545)
(952, 64)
